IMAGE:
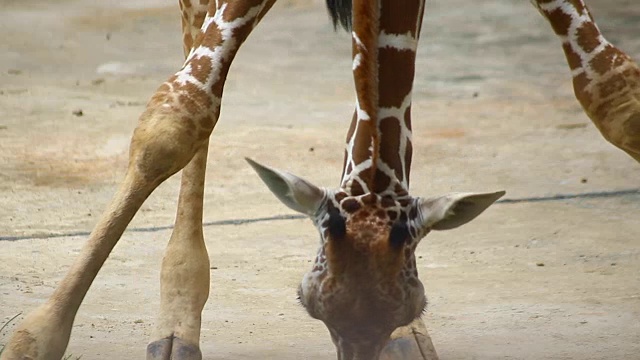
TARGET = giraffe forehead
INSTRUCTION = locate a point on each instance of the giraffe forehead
(369, 204)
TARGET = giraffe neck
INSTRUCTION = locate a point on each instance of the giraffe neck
(378, 151)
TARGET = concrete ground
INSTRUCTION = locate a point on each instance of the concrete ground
(493, 110)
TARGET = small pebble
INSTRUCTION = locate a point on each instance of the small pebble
(539, 264)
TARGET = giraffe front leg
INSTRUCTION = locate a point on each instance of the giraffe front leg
(162, 144)
(184, 287)
(185, 267)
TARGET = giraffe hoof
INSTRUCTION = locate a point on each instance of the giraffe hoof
(173, 348)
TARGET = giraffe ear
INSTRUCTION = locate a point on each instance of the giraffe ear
(297, 193)
(455, 209)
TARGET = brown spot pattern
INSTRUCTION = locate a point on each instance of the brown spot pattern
(573, 59)
(607, 60)
(559, 21)
(356, 188)
(362, 144)
(396, 75)
(612, 85)
(580, 83)
(381, 182)
(587, 36)
(390, 148)
(399, 17)
(350, 205)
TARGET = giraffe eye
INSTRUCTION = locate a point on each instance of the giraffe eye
(399, 235)
(337, 224)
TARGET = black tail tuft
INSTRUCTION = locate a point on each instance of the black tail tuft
(341, 13)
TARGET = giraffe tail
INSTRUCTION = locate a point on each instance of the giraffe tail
(341, 13)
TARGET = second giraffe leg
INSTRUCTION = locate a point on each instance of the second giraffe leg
(185, 267)
(184, 287)
(161, 145)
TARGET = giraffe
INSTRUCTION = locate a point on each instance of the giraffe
(173, 134)
(364, 281)
(606, 81)
(369, 227)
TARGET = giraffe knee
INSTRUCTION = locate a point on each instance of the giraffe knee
(624, 134)
(161, 146)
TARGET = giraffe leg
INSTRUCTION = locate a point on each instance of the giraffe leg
(184, 287)
(606, 81)
(175, 126)
(185, 267)
(184, 284)
(159, 148)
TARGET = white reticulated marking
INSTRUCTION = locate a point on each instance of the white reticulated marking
(577, 71)
(359, 43)
(185, 76)
(216, 55)
(208, 20)
(363, 185)
(577, 21)
(196, 8)
(551, 6)
(404, 41)
(387, 170)
(357, 58)
(349, 157)
(405, 134)
(356, 169)
(361, 114)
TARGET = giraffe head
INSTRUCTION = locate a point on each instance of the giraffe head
(364, 282)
